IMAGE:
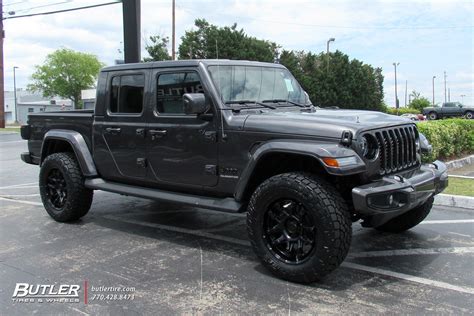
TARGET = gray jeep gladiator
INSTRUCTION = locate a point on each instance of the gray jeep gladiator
(238, 136)
(449, 109)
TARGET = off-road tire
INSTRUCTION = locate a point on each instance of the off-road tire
(78, 198)
(469, 115)
(409, 219)
(432, 116)
(332, 225)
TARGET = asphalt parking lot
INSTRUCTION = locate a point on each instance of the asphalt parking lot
(176, 259)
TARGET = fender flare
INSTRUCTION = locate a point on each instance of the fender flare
(78, 144)
(316, 150)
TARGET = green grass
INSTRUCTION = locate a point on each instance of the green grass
(460, 186)
(10, 129)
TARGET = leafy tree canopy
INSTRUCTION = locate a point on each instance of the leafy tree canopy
(419, 103)
(157, 49)
(330, 80)
(335, 80)
(65, 73)
(229, 42)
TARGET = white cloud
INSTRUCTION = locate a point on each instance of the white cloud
(376, 32)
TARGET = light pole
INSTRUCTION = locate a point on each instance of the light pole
(433, 90)
(332, 39)
(462, 98)
(14, 93)
(445, 96)
(396, 92)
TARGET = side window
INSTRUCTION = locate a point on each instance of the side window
(170, 90)
(126, 94)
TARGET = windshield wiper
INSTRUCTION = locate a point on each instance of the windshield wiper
(286, 101)
(251, 102)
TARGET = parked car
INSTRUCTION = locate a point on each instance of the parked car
(449, 109)
(238, 136)
(413, 117)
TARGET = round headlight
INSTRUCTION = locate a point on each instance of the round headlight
(369, 147)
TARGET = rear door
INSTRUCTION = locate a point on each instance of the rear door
(120, 133)
(450, 109)
(182, 149)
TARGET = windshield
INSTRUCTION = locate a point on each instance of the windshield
(256, 84)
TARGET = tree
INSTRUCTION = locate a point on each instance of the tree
(419, 103)
(415, 95)
(158, 49)
(337, 80)
(209, 41)
(65, 73)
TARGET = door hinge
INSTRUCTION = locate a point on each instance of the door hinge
(210, 136)
(141, 162)
(210, 170)
(140, 132)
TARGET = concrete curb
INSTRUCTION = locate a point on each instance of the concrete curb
(459, 163)
(8, 133)
(454, 201)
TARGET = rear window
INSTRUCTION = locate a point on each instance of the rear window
(126, 94)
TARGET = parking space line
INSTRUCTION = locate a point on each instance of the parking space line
(462, 235)
(180, 230)
(425, 281)
(17, 195)
(344, 264)
(25, 187)
(460, 176)
(19, 185)
(407, 277)
(13, 141)
(448, 221)
(21, 201)
(414, 251)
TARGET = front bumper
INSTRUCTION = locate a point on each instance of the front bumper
(393, 195)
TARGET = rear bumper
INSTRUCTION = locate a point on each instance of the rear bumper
(393, 195)
(28, 158)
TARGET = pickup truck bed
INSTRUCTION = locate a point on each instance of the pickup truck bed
(40, 123)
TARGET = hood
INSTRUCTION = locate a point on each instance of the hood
(327, 123)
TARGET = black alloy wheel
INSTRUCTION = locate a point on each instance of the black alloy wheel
(289, 231)
(56, 188)
(62, 189)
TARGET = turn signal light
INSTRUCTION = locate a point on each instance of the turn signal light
(331, 162)
(340, 162)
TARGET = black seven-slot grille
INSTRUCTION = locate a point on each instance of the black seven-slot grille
(397, 148)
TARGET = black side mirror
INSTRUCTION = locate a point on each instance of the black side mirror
(195, 103)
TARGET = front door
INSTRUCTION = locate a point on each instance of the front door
(182, 149)
(121, 131)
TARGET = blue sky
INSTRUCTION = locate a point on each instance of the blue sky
(425, 37)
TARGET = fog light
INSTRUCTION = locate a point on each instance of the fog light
(387, 201)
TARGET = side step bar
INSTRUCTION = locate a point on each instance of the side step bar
(218, 204)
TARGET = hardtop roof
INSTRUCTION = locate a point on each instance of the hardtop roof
(189, 63)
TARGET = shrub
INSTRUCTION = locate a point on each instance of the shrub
(450, 138)
(401, 111)
(419, 104)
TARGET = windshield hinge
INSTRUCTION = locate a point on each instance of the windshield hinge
(346, 138)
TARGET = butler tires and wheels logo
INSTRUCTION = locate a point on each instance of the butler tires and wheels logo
(70, 293)
(46, 293)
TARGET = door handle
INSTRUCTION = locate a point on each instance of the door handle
(156, 133)
(113, 130)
